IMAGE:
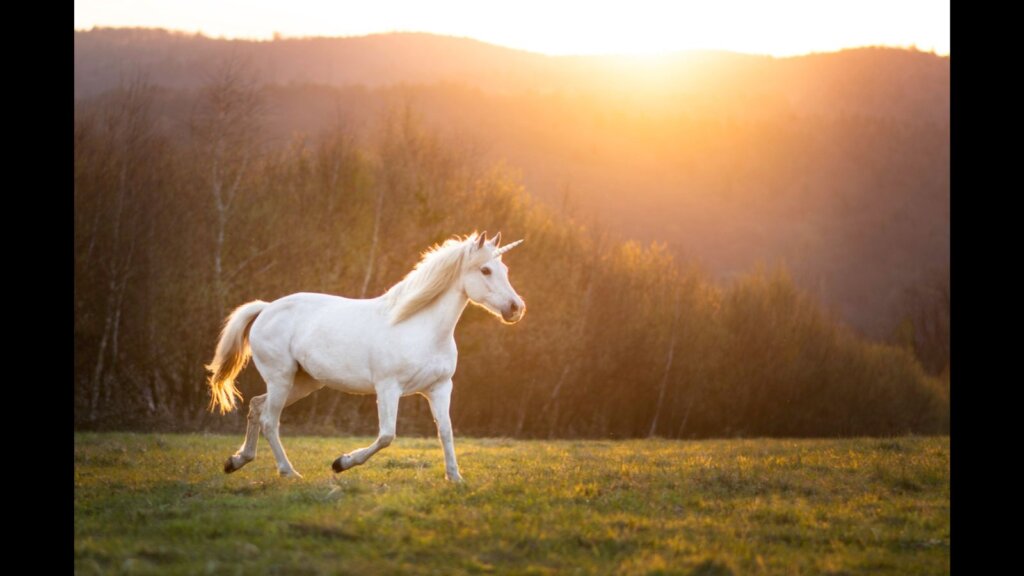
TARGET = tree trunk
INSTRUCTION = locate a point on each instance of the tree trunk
(574, 351)
(373, 243)
(668, 369)
(686, 416)
(524, 404)
(97, 373)
(553, 402)
(112, 314)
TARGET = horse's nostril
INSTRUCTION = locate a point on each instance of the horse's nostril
(513, 306)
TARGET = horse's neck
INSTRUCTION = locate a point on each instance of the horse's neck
(445, 311)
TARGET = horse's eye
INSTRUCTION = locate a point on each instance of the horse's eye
(485, 271)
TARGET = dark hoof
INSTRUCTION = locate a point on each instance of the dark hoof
(336, 466)
(229, 467)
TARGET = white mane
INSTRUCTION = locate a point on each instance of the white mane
(439, 266)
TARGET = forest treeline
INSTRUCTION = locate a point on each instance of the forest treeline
(175, 224)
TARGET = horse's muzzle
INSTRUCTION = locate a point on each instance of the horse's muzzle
(514, 312)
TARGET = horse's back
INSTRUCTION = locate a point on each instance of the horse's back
(325, 335)
(309, 299)
(289, 315)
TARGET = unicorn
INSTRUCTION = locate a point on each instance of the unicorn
(395, 345)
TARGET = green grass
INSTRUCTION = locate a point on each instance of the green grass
(160, 504)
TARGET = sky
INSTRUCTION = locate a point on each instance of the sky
(557, 27)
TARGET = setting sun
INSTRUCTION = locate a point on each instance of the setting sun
(783, 28)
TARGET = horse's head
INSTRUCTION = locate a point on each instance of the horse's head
(485, 279)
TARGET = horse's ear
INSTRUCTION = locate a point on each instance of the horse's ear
(496, 241)
(481, 239)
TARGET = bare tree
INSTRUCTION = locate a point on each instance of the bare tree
(668, 367)
(128, 128)
(575, 348)
(226, 129)
(926, 315)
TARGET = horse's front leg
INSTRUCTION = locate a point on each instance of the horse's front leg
(440, 399)
(387, 416)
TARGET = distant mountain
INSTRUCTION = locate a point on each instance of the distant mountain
(902, 83)
(183, 61)
(835, 164)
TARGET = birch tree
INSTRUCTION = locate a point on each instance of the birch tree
(111, 252)
(226, 130)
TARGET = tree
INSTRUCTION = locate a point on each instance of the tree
(226, 130)
(110, 194)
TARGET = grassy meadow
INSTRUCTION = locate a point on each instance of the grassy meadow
(154, 503)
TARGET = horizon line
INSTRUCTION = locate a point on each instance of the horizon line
(278, 37)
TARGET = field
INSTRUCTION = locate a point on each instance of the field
(160, 504)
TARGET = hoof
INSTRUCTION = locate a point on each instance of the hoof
(293, 475)
(336, 466)
(229, 466)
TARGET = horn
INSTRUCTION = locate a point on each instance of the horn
(506, 248)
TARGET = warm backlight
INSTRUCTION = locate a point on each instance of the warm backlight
(779, 28)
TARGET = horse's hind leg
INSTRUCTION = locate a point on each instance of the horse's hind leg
(247, 453)
(303, 386)
(279, 388)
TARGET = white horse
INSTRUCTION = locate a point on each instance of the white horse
(398, 344)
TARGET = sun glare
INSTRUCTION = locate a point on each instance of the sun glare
(781, 28)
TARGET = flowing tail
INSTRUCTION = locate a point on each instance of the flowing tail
(232, 355)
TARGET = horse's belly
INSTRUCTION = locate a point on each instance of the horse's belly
(339, 372)
(351, 387)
